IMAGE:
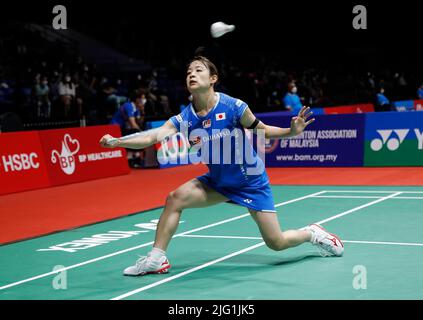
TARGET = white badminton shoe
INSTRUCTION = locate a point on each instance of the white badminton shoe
(330, 244)
(148, 265)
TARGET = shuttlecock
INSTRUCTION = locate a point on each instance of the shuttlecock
(218, 29)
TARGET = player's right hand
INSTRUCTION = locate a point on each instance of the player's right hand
(104, 141)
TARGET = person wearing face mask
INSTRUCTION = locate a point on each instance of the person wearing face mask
(42, 91)
(130, 118)
(382, 102)
(292, 100)
(67, 94)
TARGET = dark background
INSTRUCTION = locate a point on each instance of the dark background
(298, 37)
(266, 27)
(299, 33)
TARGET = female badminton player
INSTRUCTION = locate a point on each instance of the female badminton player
(224, 182)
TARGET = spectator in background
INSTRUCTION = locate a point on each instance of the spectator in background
(420, 92)
(5, 92)
(85, 94)
(371, 80)
(42, 99)
(152, 81)
(321, 100)
(151, 108)
(121, 88)
(291, 100)
(67, 94)
(130, 118)
(112, 98)
(402, 85)
(274, 100)
(163, 103)
(382, 102)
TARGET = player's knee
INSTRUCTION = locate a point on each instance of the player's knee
(276, 243)
(171, 199)
(176, 199)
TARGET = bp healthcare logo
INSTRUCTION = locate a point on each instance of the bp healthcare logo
(66, 158)
(394, 139)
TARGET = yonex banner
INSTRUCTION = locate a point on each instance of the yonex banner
(332, 140)
(74, 154)
(22, 163)
(394, 139)
(406, 105)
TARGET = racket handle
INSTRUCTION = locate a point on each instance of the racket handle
(112, 141)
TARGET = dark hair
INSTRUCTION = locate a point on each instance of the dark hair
(291, 85)
(135, 94)
(209, 65)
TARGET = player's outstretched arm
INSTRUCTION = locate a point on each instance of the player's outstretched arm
(298, 124)
(139, 140)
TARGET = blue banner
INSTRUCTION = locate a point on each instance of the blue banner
(332, 140)
(406, 105)
(394, 139)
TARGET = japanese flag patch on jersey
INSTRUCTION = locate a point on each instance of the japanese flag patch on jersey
(220, 116)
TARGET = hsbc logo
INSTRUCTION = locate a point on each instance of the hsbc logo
(393, 138)
(66, 158)
(19, 162)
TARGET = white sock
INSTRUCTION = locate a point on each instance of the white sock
(157, 253)
(313, 236)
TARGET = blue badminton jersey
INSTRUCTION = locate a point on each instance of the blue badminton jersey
(235, 170)
(125, 111)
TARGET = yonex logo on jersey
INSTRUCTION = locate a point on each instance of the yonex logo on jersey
(179, 118)
(238, 103)
(248, 200)
(207, 123)
(220, 116)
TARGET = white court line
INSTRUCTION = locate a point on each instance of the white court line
(344, 241)
(371, 191)
(147, 244)
(360, 207)
(155, 284)
(220, 237)
(350, 197)
(384, 242)
(366, 197)
(415, 198)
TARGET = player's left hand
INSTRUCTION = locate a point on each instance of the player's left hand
(300, 122)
